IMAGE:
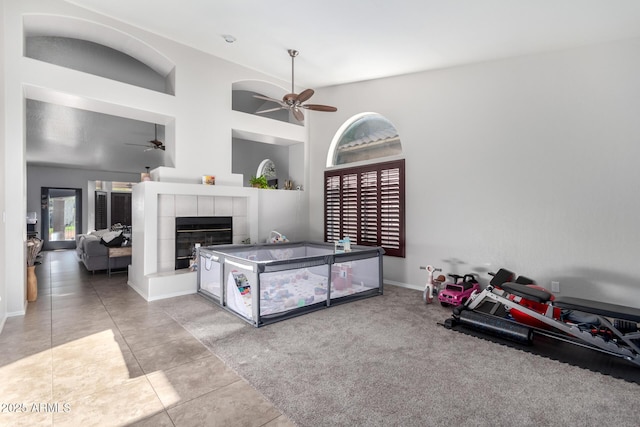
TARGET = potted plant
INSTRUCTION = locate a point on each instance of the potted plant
(259, 182)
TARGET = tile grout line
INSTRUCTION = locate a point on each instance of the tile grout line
(50, 274)
(133, 354)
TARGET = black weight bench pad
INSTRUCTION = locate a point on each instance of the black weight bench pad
(524, 291)
(600, 308)
(501, 277)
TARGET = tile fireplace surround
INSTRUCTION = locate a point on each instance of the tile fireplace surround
(155, 207)
(171, 206)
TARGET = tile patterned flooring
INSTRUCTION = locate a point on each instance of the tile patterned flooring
(92, 352)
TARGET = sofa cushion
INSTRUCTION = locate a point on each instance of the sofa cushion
(80, 244)
(99, 233)
(93, 247)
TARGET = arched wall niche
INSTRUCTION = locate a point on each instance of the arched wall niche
(71, 32)
(260, 86)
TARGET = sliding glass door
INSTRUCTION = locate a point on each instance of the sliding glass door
(61, 217)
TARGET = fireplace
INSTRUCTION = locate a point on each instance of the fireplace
(206, 230)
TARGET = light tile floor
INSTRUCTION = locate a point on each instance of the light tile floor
(91, 352)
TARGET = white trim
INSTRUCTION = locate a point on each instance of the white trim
(171, 295)
(366, 162)
(18, 313)
(338, 134)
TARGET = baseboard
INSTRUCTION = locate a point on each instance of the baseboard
(17, 313)
(403, 285)
(171, 295)
(139, 291)
(2, 321)
(161, 296)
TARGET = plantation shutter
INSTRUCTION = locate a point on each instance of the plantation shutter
(366, 203)
(349, 214)
(369, 208)
(100, 210)
(332, 209)
(390, 208)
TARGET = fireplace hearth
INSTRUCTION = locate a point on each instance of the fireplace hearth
(205, 230)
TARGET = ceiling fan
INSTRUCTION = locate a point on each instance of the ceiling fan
(293, 101)
(154, 144)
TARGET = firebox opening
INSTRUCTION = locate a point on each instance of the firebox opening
(206, 230)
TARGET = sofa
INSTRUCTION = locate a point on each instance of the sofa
(94, 255)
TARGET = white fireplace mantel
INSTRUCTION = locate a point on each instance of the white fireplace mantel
(146, 273)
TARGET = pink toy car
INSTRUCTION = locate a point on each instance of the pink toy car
(458, 293)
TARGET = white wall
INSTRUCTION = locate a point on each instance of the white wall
(198, 118)
(527, 163)
(3, 145)
(14, 170)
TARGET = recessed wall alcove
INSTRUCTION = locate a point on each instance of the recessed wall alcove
(242, 99)
(256, 137)
(97, 49)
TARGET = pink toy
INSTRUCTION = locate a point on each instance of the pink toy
(458, 293)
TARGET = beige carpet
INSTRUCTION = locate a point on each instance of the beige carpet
(384, 361)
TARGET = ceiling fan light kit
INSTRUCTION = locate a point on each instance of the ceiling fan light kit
(293, 101)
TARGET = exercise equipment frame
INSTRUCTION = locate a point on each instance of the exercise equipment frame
(623, 344)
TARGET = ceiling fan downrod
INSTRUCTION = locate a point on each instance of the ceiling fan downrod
(293, 53)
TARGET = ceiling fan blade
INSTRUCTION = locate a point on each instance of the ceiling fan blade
(305, 94)
(266, 98)
(297, 114)
(137, 145)
(269, 110)
(318, 107)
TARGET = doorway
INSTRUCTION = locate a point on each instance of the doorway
(61, 217)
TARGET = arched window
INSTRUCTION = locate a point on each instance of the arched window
(365, 136)
(366, 202)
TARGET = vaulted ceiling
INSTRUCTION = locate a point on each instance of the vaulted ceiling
(339, 42)
(344, 41)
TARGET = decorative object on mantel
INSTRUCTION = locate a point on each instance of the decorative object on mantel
(259, 182)
(267, 168)
(209, 179)
(34, 245)
(145, 176)
(288, 184)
